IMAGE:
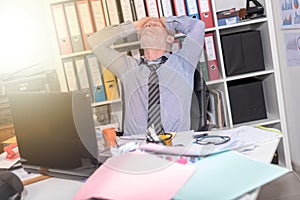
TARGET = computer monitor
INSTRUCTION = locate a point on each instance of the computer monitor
(55, 133)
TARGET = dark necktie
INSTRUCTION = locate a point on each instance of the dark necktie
(154, 117)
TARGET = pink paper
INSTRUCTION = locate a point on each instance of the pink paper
(116, 179)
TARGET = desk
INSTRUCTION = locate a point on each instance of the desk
(62, 189)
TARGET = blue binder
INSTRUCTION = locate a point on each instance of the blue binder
(96, 78)
(192, 8)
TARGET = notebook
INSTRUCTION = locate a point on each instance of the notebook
(55, 133)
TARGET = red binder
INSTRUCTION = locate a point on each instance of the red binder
(206, 16)
(62, 30)
(85, 19)
(212, 61)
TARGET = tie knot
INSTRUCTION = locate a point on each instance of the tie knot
(153, 67)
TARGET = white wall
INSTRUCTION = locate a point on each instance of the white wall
(291, 82)
(27, 36)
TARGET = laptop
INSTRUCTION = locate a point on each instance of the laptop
(55, 133)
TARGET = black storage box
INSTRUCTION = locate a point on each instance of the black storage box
(242, 52)
(247, 100)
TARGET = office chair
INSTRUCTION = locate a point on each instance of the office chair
(200, 102)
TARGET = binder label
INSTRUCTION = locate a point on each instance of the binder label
(209, 43)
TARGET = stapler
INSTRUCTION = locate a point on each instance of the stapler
(11, 154)
(255, 10)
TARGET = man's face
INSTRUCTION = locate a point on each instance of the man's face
(154, 35)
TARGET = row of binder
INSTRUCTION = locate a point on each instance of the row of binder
(208, 59)
(86, 73)
(217, 117)
(75, 20)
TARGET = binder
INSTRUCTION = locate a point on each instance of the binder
(96, 79)
(98, 15)
(110, 84)
(74, 27)
(85, 19)
(218, 108)
(192, 8)
(212, 62)
(139, 8)
(204, 7)
(224, 115)
(70, 74)
(179, 7)
(212, 110)
(113, 11)
(133, 10)
(126, 10)
(165, 8)
(204, 65)
(82, 73)
(151, 8)
(61, 27)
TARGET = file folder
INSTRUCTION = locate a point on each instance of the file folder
(206, 15)
(126, 10)
(110, 84)
(139, 8)
(70, 74)
(82, 73)
(204, 65)
(152, 8)
(113, 10)
(61, 27)
(165, 8)
(192, 8)
(219, 118)
(147, 177)
(212, 62)
(74, 27)
(85, 19)
(98, 15)
(228, 175)
(179, 7)
(96, 79)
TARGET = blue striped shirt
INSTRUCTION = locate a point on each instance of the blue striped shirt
(176, 75)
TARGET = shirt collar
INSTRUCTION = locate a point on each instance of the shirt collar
(161, 59)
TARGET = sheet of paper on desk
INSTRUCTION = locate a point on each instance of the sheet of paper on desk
(135, 176)
(227, 176)
(5, 163)
(249, 136)
(241, 139)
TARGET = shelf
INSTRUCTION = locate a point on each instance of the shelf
(82, 53)
(215, 82)
(105, 102)
(263, 122)
(244, 23)
(253, 74)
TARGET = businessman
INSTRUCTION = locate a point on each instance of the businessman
(169, 74)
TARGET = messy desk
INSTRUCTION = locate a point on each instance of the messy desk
(225, 165)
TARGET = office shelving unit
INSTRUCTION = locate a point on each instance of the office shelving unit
(270, 77)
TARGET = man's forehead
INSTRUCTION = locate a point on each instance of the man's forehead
(154, 19)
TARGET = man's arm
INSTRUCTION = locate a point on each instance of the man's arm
(194, 30)
(101, 41)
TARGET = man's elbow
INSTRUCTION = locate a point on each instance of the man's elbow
(93, 40)
(200, 25)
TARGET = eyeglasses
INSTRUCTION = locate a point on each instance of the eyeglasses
(211, 139)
